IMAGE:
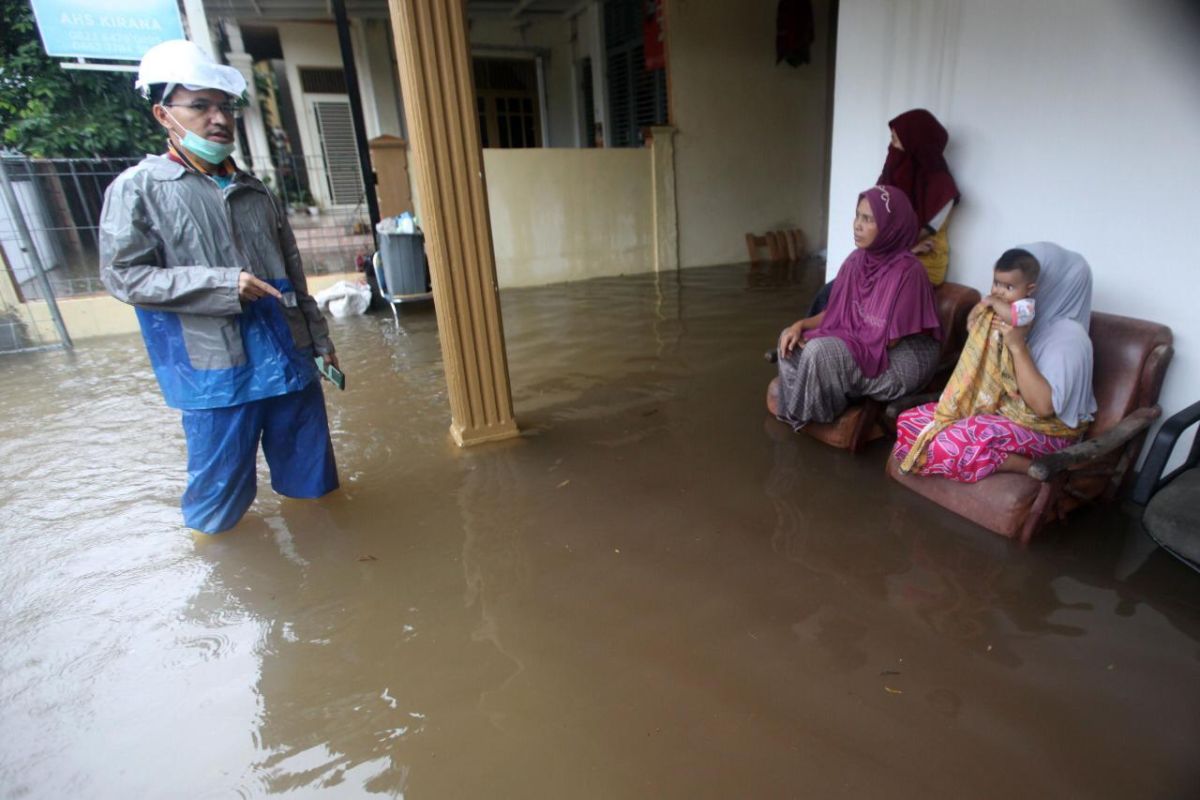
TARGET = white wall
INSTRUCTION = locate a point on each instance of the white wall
(1074, 121)
(751, 149)
(588, 40)
(501, 36)
(377, 77)
(308, 44)
(568, 214)
(315, 44)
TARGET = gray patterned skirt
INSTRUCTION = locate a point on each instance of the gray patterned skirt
(817, 382)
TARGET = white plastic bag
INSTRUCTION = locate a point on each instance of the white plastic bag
(405, 223)
(344, 299)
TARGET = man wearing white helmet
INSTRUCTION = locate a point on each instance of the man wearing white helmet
(206, 256)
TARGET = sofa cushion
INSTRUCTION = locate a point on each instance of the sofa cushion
(840, 432)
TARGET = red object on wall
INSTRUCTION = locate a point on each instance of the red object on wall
(654, 35)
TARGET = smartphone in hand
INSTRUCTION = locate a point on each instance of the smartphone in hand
(331, 373)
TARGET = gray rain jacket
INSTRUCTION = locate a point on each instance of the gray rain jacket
(172, 243)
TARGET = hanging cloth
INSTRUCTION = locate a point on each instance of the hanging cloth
(794, 32)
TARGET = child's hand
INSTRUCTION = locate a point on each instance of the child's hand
(1001, 308)
(979, 308)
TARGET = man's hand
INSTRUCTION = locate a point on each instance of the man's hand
(331, 359)
(251, 288)
(922, 247)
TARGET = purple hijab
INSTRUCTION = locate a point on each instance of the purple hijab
(881, 292)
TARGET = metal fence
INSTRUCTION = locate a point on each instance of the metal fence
(54, 210)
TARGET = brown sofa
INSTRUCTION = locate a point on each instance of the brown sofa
(860, 423)
(1130, 359)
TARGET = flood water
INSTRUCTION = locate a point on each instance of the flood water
(654, 592)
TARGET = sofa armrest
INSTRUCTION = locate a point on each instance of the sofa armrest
(1150, 477)
(1046, 467)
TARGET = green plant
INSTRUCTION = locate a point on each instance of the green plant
(303, 200)
(47, 111)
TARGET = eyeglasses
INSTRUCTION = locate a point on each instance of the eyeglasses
(204, 108)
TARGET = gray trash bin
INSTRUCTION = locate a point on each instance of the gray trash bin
(405, 270)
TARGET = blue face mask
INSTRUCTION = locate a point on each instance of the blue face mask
(210, 151)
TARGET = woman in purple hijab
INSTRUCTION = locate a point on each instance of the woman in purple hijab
(879, 335)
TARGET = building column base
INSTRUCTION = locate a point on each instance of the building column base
(468, 437)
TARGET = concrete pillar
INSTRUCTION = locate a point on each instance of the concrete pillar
(259, 157)
(439, 102)
(198, 29)
(666, 215)
(259, 161)
(252, 116)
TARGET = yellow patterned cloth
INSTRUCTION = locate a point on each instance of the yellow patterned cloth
(937, 260)
(983, 382)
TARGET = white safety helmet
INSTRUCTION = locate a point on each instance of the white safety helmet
(179, 62)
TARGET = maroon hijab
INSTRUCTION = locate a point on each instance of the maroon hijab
(881, 292)
(920, 168)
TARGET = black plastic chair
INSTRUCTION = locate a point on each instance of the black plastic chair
(1172, 501)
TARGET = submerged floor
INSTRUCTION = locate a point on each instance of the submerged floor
(655, 592)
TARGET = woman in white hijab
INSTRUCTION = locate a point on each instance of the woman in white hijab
(1001, 432)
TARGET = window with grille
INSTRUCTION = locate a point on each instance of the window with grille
(506, 102)
(637, 97)
(339, 151)
(323, 80)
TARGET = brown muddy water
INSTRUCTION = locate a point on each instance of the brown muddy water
(655, 592)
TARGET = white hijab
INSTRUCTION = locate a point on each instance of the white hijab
(1059, 340)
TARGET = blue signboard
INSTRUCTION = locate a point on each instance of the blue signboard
(113, 29)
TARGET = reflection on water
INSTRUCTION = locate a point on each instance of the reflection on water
(655, 591)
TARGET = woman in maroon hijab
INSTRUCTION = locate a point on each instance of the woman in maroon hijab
(879, 335)
(916, 163)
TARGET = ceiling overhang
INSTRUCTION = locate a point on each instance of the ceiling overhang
(249, 11)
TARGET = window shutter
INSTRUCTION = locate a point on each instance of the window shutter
(620, 96)
(589, 103)
(637, 98)
(339, 150)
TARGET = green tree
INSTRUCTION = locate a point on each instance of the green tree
(48, 111)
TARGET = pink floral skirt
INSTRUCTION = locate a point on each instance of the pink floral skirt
(971, 449)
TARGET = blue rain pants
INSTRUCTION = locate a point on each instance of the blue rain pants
(222, 448)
